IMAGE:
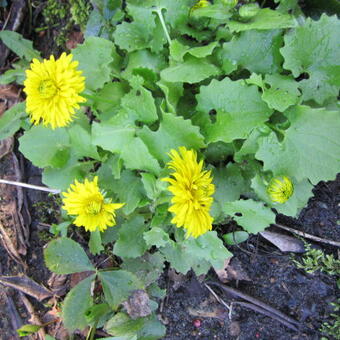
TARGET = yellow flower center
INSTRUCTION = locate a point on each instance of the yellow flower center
(47, 88)
(94, 207)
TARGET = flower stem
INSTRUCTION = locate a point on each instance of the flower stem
(30, 186)
(160, 15)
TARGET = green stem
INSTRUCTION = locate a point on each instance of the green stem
(160, 15)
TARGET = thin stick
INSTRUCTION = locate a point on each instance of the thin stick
(308, 236)
(30, 186)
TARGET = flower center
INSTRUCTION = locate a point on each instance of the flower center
(94, 207)
(47, 88)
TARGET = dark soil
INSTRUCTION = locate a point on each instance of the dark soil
(274, 279)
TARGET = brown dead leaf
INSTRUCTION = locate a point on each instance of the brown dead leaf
(138, 304)
(77, 277)
(9, 92)
(27, 286)
(74, 39)
(283, 242)
(222, 273)
(178, 279)
(6, 145)
(232, 270)
(58, 284)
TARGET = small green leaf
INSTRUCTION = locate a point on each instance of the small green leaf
(10, 121)
(53, 151)
(192, 70)
(65, 256)
(60, 228)
(255, 217)
(156, 237)
(235, 237)
(28, 329)
(265, 19)
(95, 312)
(112, 136)
(95, 243)
(95, 57)
(76, 303)
(118, 286)
(130, 190)
(173, 132)
(283, 92)
(130, 243)
(20, 46)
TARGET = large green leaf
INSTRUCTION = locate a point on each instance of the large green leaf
(251, 215)
(192, 70)
(310, 148)
(118, 285)
(236, 117)
(76, 303)
(65, 256)
(130, 243)
(20, 46)
(265, 19)
(257, 51)
(313, 48)
(173, 132)
(45, 147)
(95, 57)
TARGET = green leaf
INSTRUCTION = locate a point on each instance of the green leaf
(178, 50)
(199, 254)
(139, 101)
(60, 228)
(299, 199)
(130, 190)
(80, 140)
(131, 36)
(122, 326)
(112, 136)
(118, 286)
(173, 132)
(45, 147)
(20, 46)
(95, 312)
(265, 19)
(255, 217)
(235, 118)
(10, 121)
(95, 243)
(310, 148)
(229, 184)
(76, 303)
(140, 158)
(156, 237)
(65, 256)
(150, 185)
(173, 92)
(148, 268)
(314, 49)
(28, 329)
(192, 70)
(257, 51)
(283, 92)
(95, 57)
(108, 99)
(130, 243)
(61, 178)
(235, 237)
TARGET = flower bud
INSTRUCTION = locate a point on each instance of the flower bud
(280, 189)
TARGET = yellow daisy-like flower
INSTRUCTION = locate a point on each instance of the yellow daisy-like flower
(200, 4)
(52, 88)
(192, 190)
(88, 203)
(280, 189)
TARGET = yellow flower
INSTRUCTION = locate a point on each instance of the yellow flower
(192, 190)
(52, 88)
(200, 4)
(280, 189)
(88, 203)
